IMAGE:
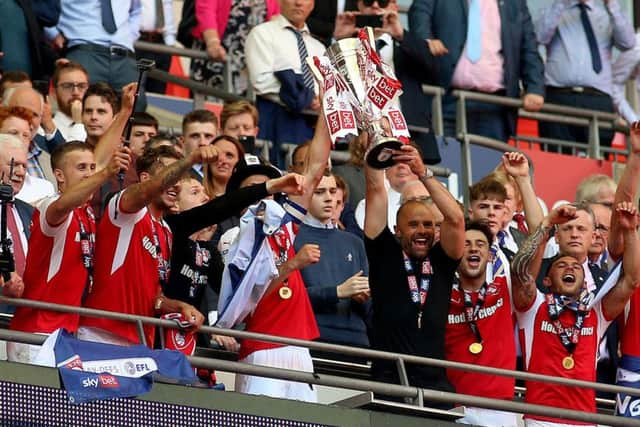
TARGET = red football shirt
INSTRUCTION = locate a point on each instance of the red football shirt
(630, 335)
(495, 323)
(54, 271)
(127, 278)
(543, 354)
(292, 318)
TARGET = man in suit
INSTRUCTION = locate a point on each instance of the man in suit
(472, 56)
(22, 40)
(41, 145)
(411, 60)
(322, 20)
(13, 150)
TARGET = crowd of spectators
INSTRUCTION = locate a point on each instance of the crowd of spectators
(200, 226)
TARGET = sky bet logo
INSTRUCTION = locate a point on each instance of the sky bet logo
(101, 381)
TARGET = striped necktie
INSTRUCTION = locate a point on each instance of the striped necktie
(498, 266)
(307, 77)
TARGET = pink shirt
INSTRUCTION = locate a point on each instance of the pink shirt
(214, 14)
(486, 75)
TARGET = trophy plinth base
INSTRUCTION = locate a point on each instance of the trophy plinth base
(379, 156)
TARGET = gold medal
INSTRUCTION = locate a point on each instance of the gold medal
(568, 363)
(475, 348)
(285, 292)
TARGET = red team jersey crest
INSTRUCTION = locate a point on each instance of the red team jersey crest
(495, 324)
(126, 273)
(543, 354)
(54, 271)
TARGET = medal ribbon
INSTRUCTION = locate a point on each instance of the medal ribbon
(417, 294)
(163, 265)
(87, 243)
(471, 310)
(556, 304)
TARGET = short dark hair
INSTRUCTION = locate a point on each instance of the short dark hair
(150, 159)
(199, 116)
(60, 152)
(63, 67)
(481, 226)
(15, 76)
(141, 118)
(104, 91)
(161, 136)
(487, 188)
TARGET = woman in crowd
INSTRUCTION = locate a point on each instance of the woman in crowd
(223, 26)
(216, 175)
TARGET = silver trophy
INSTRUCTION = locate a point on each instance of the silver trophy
(370, 87)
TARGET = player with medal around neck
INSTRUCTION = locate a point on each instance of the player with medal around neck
(472, 278)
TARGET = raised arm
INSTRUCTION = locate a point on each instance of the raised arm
(139, 195)
(615, 300)
(452, 228)
(624, 37)
(626, 191)
(549, 19)
(112, 138)
(221, 208)
(375, 217)
(77, 195)
(317, 161)
(517, 165)
(526, 264)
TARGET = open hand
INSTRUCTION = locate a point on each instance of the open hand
(353, 286)
(627, 215)
(516, 164)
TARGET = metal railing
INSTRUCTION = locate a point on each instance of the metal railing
(404, 390)
(592, 119)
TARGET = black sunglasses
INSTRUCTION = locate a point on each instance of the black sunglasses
(381, 3)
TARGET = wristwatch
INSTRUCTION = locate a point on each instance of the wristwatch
(158, 303)
(428, 174)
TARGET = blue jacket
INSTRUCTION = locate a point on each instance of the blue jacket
(446, 20)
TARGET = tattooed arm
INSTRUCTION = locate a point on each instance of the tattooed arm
(526, 264)
(139, 195)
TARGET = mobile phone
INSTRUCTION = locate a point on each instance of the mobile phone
(41, 86)
(374, 21)
(248, 142)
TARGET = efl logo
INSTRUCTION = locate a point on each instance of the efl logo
(108, 381)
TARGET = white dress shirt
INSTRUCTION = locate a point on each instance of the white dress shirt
(148, 20)
(393, 204)
(626, 67)
(35, 189)
(271, 47)
(70, 130)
